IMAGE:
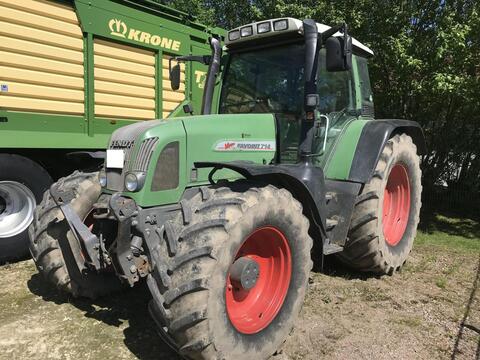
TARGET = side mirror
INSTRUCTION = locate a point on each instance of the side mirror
(339, 53)
(174, 75)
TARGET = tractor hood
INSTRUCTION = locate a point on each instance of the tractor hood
(163, 153)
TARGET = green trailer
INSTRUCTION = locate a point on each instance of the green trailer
(71, 72)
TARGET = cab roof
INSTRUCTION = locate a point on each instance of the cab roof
(249, 32)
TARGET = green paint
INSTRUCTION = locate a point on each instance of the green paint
(158, 85)
(198, 136)
(89, 83)
(356, 80)
(339, 163)
(166, 131)
(178, 111)
(31, 130)
(204, 132)
(196, 82)
(139, 26)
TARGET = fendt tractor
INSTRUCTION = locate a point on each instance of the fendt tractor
(223, 213)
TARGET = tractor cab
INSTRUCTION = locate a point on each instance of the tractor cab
(264, 71)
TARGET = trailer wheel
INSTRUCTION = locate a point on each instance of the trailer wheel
(231, 273)
(51, 239)
(22, 183)
(386, 215)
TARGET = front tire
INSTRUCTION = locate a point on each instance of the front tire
(51, 240)
(196, 299)
(386, 215)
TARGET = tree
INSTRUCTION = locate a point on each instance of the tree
(426, 66)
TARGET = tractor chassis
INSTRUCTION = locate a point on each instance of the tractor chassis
(140, 228)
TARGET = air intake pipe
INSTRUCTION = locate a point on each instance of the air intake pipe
(212, 73)
(310, 33)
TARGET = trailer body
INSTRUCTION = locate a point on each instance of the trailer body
(71, 72)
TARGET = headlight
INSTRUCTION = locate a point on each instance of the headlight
(263, 27)
(102, 178)
(280, 25)
(134, 181)
(246, 31)
(234, 35)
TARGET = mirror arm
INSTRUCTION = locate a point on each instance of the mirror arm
(333, 30)
(203, 59)
(345, 37)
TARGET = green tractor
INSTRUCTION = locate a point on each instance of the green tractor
(222, 213)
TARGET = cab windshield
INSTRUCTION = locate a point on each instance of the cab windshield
(271, 80)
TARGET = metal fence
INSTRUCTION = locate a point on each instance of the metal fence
(455, 201)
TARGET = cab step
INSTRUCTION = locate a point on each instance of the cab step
(329, 248)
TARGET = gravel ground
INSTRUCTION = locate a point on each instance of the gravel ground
(431, 310)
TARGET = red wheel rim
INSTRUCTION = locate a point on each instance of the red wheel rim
(251, 311)
(396, 205)
(90, 220)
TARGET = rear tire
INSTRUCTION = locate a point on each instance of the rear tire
(50, 246)
(381, 235)
(22, 184)
(190, 283)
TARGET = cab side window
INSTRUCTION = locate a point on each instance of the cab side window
(335, 89)
(365, 87)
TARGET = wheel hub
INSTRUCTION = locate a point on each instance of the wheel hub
(245, 272)
(258, 280)
(17, 204)
(396, 205)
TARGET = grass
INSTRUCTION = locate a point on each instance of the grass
(449, 233)
(408, 321)
(442, 235)
(441, 282)
(372, 294)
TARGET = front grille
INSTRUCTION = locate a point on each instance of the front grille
(144, 154)
(125, 139)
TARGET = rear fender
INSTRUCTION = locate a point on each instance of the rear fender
(372, 140)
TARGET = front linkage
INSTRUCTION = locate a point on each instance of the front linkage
(90, 251)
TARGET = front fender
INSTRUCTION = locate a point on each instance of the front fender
(304, 181)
